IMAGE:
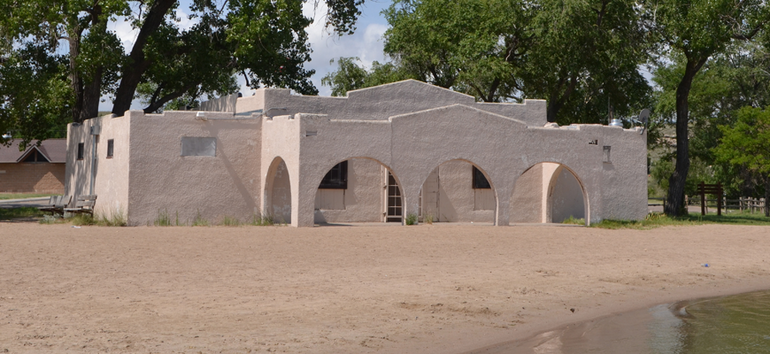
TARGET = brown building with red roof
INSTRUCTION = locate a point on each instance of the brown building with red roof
(38, 169)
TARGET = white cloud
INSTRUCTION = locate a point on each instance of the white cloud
(366, 43)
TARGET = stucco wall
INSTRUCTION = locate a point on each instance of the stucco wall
(362, 201)
(223, 104)
(374, 103)
(412, 145)
(527, 202)
(163, 181)
(36, 177)
(280, 137)
(566, 197)
(278, 205)
(111, 174)
(382, 125)
(448, 196)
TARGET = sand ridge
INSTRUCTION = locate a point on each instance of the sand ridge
(427, 289)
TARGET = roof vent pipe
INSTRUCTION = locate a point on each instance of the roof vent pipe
(616, 123)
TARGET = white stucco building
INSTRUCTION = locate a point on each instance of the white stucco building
(376, 155)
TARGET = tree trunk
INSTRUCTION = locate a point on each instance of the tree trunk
(91, 95)
(675, 205)
(138, 64)
(75, 80)
(92, 86)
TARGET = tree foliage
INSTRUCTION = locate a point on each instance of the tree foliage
(696, 31)
(582, 56)
(352, 76)
(263, 40)
(746, 144)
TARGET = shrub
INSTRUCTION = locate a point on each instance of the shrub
(572, 220)
(163, 219)
(411, 219)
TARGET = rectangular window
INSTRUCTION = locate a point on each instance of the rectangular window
(199, 146)
(110, 148)
(336, 178)
(479, 180)
(606, 157)
(81, 147)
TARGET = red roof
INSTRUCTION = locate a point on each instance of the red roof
(55, 150)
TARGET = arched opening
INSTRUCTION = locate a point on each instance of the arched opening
(458, 191)
(359, 189)
(548, 192)
(278, 192)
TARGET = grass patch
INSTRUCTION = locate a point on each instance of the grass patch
(163, 219)
(5, 196)
(228, 221)
(573, 221)
(264, 220)
(428, 219)
(117, 219)
(23, 212)
(658, 220)
(411, 219)
(82, 220)
(200, 221)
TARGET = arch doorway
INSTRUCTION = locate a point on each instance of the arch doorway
(548, 192)
(278, 192)
(359, 189)
(458, 191)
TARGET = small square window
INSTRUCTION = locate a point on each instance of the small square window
(110, 148)
(81, 147)
(479, 180)
(336, 178)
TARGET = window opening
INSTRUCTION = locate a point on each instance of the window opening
(395, 208)
(80, 151)
(199, 146)
(35, 156)
(607, 154)
(110, 148)
(479, 180)
(336, 178)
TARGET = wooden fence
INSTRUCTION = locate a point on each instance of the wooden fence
(752, 205)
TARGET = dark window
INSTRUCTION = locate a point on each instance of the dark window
(80, 151)
(110, 148)
(479, 181)
(35, 156)
(199, 146)
(336, 178)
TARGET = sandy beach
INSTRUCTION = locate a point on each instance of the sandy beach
(371, 289)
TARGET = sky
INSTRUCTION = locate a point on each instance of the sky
(366, 43)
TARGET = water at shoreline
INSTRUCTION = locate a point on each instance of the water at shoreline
(731, 324)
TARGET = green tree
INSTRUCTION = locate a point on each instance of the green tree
(726, 83)
(582, 56)
(747, 144)
(263, 40)
(696, 30)
(351, 76)
(466, 45)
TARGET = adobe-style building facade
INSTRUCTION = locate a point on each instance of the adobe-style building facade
(377, 155)
(37, 169)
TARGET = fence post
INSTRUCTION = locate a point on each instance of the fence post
(719, 199)
(702, 191)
